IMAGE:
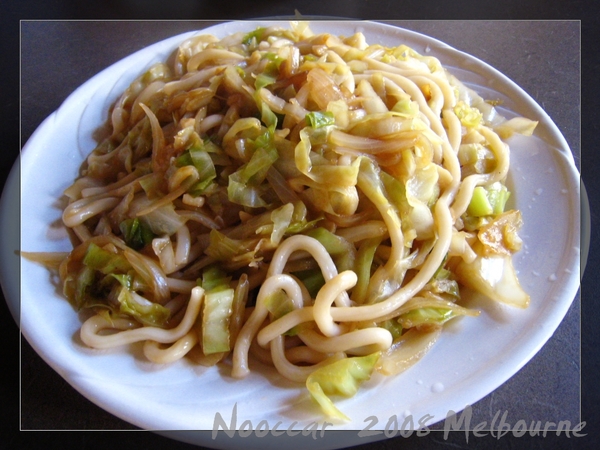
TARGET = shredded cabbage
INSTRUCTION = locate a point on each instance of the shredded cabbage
(342, 378)
(216, 315)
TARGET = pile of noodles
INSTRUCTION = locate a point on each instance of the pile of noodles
(304, 200)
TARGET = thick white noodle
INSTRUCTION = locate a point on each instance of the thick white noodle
(91, 328)
(155, 353)
(257, 317)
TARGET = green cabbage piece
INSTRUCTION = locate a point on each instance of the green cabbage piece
(443, 284)
(92, 285)
(232, 253)
(136, 234)
(422, 190)
(216, 314)
(445, 287)
(282, 218)
(312, 279)
(331, 187)
(393, 326)
(107, 280)
(270, 119)
(299, 222)
(363, 268)
(519, 125)
(273, 58)
(97, 258)
(469, 116)
(264, 79)
(317, 119)
(319, 169)
(412, 200)
(342, 251)
(254, 37)
(278, 304)
(286, 220)
(243, 194)
(387, 278)
(81, 296)
(255, 171)
(204, 155)
(406, 107)
(476, 158)
(214, 279)
(145, 311)
(425, 316)
(341, 377)
(487, 201)
(246, 184)
(201, 159)
(396, 192)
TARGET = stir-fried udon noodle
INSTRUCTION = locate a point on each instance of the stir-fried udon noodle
(306, 201)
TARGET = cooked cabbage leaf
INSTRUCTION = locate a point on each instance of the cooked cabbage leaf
(341, 377)
(216, 314)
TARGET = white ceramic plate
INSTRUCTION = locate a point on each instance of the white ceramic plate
(473, 357)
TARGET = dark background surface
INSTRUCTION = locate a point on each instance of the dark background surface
(56, 57)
